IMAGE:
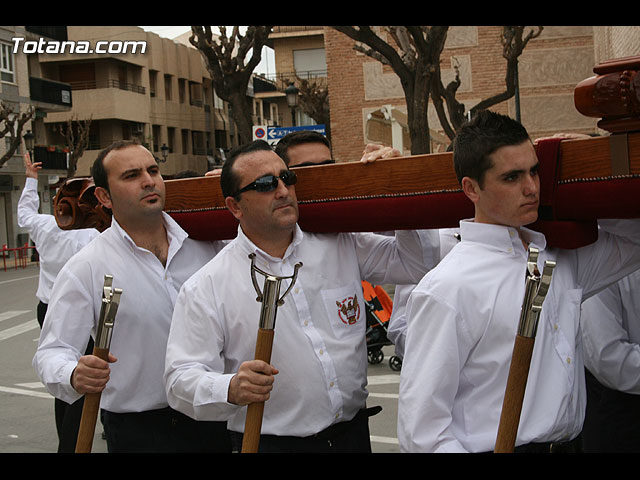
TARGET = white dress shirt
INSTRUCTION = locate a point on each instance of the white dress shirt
(139, 339)
(55, 246)
(397, 325)
(462, 322)
(319, 349)
(611, 335)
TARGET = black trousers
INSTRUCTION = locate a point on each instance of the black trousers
(67, 416)
(612, 420)
(163, 431)
(345, 437)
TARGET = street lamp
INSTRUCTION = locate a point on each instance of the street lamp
(292, 100)
(29, 139)
(165, 152)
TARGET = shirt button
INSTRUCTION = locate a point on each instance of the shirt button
(331, 384)
(321, 351)
(568, 359)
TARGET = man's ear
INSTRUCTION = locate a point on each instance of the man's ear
(471, 188)
(234, 207)
(103, 197)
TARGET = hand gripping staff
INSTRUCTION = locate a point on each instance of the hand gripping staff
(108, 310)
(270, 303)
(536, 288)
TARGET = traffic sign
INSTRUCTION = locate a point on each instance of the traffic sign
(274, 134)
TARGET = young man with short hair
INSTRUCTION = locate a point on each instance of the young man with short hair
(463, 316)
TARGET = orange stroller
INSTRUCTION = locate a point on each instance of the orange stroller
(378, 308)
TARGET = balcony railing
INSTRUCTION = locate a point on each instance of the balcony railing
(291, 28)
(49, 91)
(282, 80)
(51, 160)
(111, 83)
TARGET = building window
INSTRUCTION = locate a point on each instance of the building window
(7, 70)
(310, 62)
(167, 87)
(153, 75)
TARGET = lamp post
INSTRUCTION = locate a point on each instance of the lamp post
(29, 139)
(292, 100)
(165, 152)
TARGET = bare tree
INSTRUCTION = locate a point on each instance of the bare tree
(415, 57)
(12, 124)
(314, 101)
(225, 57)
(76, 135)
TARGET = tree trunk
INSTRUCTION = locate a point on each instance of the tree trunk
(417, 97)
(241, 114)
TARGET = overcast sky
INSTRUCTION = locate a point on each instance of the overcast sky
(266, 65)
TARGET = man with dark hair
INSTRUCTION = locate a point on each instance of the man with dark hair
(463, 316)
(316, 382)
(149, 257)
(55, 247)
(303, 148)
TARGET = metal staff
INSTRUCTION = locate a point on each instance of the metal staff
(536, 288)
(270, 302)
(108, 310)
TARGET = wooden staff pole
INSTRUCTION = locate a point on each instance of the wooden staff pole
(84, 442)
(108, 310)
(270, 298)
(536, 288)
(253, 422)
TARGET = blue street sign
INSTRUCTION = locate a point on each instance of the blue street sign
(276, 133)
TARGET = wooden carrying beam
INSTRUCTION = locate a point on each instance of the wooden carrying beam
(581, 180)
(580, 183)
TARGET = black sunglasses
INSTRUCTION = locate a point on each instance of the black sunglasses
(269, 183)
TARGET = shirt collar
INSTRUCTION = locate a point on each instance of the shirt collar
(253, 248)
(502, 237)
(175, 234)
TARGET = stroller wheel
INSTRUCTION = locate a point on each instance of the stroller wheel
(375, 356)
(395, 363)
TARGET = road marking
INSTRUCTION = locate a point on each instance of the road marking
(28, 393)
(383, 395)
(18, 279)
(30, 385)
(11, 314)
(383, 379)
(378, 439)
(19, 329)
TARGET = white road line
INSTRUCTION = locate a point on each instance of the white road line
(18, 279)
(378, 439)
(28, 393)
(19, 329)
(383, 395)
(383, 379)
(11, 314)
(30, 385)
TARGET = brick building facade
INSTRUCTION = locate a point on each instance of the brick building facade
(549, 69)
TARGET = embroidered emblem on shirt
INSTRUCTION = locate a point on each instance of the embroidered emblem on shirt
(349, 310)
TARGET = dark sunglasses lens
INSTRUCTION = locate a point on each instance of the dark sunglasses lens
(266, 183)
(289, 178)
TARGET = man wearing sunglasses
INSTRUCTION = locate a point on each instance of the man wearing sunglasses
(315, 387)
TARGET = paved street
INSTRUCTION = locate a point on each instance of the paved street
(27, 418)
